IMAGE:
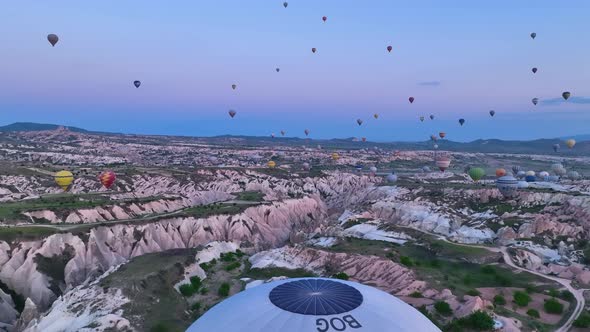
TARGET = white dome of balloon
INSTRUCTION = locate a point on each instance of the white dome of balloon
(507, 185)
(573, 175)
(523, 184)
(521, 174)
(530, 173)
(312, 304)
(373, 169)
(391, 178)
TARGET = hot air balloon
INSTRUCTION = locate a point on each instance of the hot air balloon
(530, 178)
(530, 173)
(53, 39)
(553, 178)
(272, 135)
(544, 175)
(278, 70)
(533, 35)
(285, 4)
(373, 169)
(433, 138)
(442, 134)
(107, 179)
(282, 133)
(558, 169)
(535, 101)
(523, 184)
(411, 99)
(573, 175)
(359, 121)
(431, 117)
(364, 139)
(534, 70)
(335, 156)
(376, 116)
(389, 48)
(556, 147)
(391, 178)
(500, 172)
(566, 95)
(324, 18)
(359, 168)
(64, 179)
(425, 169)
(306, 166)
(435, 146)
(271, 164)
(443, 163)
(492, 113)
(461, 121)
(477, 173)
(421, 119)
(516, 169)
(306, 131)
(570, 143)
(233, 86)
(313, 49)
(232, 113)
(507, 185)
(521, 174)
(137, 83)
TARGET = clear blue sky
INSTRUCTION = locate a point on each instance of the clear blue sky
(187, 53)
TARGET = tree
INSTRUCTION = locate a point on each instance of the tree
(341, 276)
(583, 321)
(533, 313)
(443, 308)
(480, 320)
(473, 292)
(187, 290)
(416, 294)
(521, 298)
(407, 261)
(223, 289)
(499, 300)
(553, 306)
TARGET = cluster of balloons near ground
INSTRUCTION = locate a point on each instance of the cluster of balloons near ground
(64, 179)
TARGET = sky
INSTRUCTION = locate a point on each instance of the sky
(457, 58)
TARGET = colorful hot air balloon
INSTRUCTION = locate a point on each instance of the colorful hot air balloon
(232, 113)
(492, 113)
(376, 116)
(285, 4)
(533, 35)
(425, 169)
(373, 169)
(64, 179)
(389, 48)
(443, 162)
(534, 70)
(570, 143)
(433, 138)
(507, 185)
(556, 147)
(477, 173)
(282, 133)
(442, 134)
(233, 86)
(566, 95)
(535, 101)
(306, 166)
(431, 117)
(461, 121)
(364, 139)
(313, 49)
(411, 99)
(278, 69)
(107, 179)
(422, 119)
(324, 18)
(516, 169)
(306, 131)
(391, 178)
(137, 83)
(500, 172)
(53, 39)
(359, 121)
(335, 156)
(272, 135)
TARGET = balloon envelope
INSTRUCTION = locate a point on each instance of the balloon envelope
(107, 179)
(64, 179)
(411, 99)
(443, 163)
(359, 121)
(570, 143)
(533, 35)
(500, 172)
(507, 185)
(232, 113)
(285, 4)
(391, 178)
(271, 164)
(137, 83)
(335, 156)
(566, 95)
(461, 121)
(53, 39)
(324, 18)
(477, 173)
(535, 101)
(492, 113)
(534, 70)
(442, 134)
(389, 48)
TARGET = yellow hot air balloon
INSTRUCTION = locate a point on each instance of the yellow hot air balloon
(570, 143)
(64, 179)
(335, 156)
(271, 164)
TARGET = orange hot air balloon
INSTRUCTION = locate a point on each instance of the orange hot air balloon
(107, 179)
(500, 172)
(442, 134)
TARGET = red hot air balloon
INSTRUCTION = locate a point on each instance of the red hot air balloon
(442, 134)
(389, 48)
(313, 49)
(411, 99)
(324, 18)
(107, 179)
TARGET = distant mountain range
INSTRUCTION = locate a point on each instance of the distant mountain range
(539, 146)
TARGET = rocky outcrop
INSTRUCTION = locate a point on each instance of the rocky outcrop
(7, 311)
(29, 315)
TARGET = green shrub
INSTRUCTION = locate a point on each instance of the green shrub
(521, 298)
(233, 266)
(567, 295)
(480, 320)
(553, 293)
(553, 306)
(196, 306)
(204, 291)
(499, 300)
(503, 280)
(223, 290)
(533, 313)
(583, 321)
(488, 269)
(187, 290)
(529, 289)
(443, 308)
(407, 261)
(341, 276)
(196, 282)
(473, 292)
(416, 295)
